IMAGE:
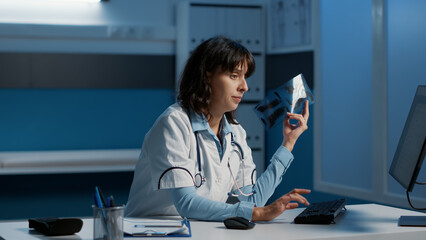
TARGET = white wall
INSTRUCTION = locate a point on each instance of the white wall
(79, 12)
(35, 26)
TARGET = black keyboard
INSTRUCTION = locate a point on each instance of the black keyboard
(321, 212)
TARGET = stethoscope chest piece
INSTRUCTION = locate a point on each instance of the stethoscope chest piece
(199, 180)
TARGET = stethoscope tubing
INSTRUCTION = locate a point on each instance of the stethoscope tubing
(202, 179)
(199, 180)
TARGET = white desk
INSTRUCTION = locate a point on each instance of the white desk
(369, 221)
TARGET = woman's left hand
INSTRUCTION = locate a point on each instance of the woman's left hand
(291, 132)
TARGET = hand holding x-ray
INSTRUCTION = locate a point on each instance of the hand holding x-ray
(290, 97)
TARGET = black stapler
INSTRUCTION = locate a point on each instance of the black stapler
(53, 226)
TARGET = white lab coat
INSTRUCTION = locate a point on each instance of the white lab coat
(171, 143)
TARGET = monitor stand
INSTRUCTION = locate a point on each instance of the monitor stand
(412, 221)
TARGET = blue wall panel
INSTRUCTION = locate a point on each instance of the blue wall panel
(406, 70)
(346, 72)
(62, 119)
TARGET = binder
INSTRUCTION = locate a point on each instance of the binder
(143, 227)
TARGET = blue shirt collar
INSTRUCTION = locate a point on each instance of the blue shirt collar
(200, 123)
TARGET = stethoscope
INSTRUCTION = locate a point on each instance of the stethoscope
(199, 180)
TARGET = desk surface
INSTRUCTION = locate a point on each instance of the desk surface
(365, 221)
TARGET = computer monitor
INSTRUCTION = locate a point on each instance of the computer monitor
(410, 152)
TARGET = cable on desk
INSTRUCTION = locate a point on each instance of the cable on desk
(409, 201)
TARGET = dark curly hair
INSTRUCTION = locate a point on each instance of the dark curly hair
(195, 89)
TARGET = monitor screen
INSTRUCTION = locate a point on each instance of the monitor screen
(410, 152)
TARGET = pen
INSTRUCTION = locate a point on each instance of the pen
(156, 226)
(154, 234)
(100, 195)
(159, 225)
(110, 201)
(100, 203)
(98, 200)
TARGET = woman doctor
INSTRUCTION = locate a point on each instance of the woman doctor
(195, 157)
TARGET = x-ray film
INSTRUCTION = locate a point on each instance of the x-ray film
(290, 97)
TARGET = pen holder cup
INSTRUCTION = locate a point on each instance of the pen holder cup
(108, 223)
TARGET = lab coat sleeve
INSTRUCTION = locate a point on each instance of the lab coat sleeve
(270, 179)
(191, 205)
(168, 148)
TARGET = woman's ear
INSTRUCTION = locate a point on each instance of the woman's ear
(209, 76)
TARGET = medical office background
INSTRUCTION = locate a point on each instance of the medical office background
(65, 89)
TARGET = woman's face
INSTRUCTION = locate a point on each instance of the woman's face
(227, 89)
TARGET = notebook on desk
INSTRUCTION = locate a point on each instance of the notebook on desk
(144, 227)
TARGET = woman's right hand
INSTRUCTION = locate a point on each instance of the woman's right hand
(283, 203)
